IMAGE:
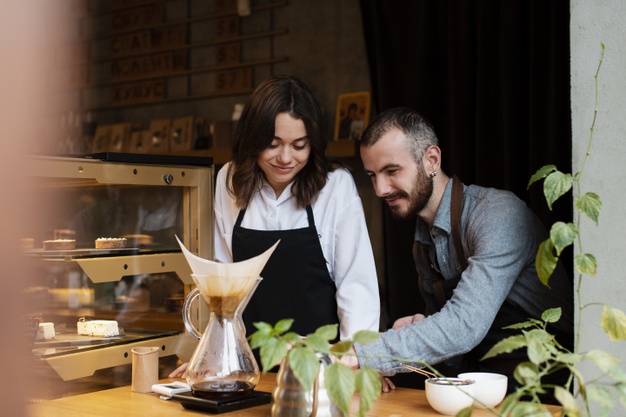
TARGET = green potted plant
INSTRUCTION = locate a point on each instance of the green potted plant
(545, 354)
(308, 357)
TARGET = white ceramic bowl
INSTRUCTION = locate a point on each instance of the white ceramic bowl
(489, 389)
(449, 395)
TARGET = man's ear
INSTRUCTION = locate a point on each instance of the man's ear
(432, 159)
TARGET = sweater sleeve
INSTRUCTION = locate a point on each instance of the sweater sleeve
(500, 245)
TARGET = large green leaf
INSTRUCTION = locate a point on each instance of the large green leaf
(524, 409)
(365, 337)
(341, 348)
(537, 353)
(317, 343)
(524, 325)
(305, 365)
(613, 321)
(551, 315)
(507, 345)
(466, 412)
(283, 325)
(603, 360)
(340, 385)
(589, 204)
(327, 332)
(526, 373)
(570, 358)
(562, 235)
(259, 338)
(545, 261)
(272, 352)
(567, 400)
(586, 263)
(618, 374)
(367, 383)
(541, 173)
(555, 185)
(602, 396)
(263, 327)
(292, 337)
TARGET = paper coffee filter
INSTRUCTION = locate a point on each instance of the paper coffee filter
(212, 285)
(250, 268)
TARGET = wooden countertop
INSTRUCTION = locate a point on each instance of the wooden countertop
(122, 402)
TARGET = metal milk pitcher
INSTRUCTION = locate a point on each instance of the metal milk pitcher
(290, 399)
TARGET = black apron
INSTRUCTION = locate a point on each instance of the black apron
(296, 283)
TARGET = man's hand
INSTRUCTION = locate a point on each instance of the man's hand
(180, 372)
(387, 384)
(407, 320)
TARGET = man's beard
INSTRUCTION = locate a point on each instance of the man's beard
(418, 197)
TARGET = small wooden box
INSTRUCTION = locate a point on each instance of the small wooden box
(182, 134)
(101, 139)
(120, 137)
(158, 140)
(139, 141)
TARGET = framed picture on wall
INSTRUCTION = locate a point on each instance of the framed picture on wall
(352, 117)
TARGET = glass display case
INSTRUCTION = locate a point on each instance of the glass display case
(135, 206)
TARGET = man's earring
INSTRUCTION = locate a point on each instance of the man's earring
(432, 174)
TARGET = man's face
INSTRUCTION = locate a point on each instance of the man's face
(396, 178)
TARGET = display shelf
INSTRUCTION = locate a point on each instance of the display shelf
(116, 195)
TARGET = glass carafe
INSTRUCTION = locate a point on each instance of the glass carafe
(223, 363)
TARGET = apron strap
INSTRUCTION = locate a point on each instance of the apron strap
(309, 215)
(456, 207)
(240, 216)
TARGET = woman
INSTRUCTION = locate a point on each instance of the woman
(281, 185)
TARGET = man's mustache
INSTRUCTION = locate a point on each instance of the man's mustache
(397, 194)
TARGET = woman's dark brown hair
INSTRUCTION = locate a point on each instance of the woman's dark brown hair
(254, 132)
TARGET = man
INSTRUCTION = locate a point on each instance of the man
(475, 254)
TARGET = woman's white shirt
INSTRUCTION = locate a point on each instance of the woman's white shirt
(341, 227)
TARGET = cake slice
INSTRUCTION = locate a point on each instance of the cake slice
(97, 328)
(45, 331)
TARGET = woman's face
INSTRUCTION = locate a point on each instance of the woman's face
(288, 153)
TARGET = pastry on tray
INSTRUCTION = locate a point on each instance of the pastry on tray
(111, 242)
(59, 244)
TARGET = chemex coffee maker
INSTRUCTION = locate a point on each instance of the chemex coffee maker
(223, 363)
(223, 372)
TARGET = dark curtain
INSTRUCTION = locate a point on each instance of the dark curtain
(493, 78)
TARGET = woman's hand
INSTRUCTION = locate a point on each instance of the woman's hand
(407, 320)
(180, 372)
(349, 359)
